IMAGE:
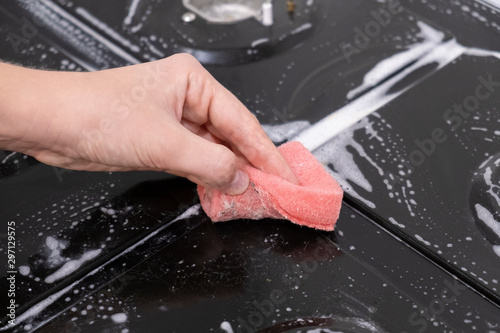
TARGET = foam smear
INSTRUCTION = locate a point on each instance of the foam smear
(493, 189)
(334, 153)
(484, 214)
(119, 318)
(71, 266)
(280, 133)
(55, 246)
(42, 305)
(330, 138)
(496, 248)
(104, 27)
(49, 12)
(481, 52)
(346, 169)
(330, 126)
(488, 219)
(226, 326)
(7, 157)
(430, 39)
(131, 12)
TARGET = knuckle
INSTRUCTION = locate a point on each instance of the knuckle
(186, 61)
(223, 167)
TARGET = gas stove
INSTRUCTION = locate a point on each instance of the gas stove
(398, 100)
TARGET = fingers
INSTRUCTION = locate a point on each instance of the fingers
(207, 163)
(208, 102)
(200, 131)
(230, 117)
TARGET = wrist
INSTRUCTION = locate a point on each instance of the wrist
(32, 108)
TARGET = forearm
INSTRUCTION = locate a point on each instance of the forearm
(31, 106)
(19, 108)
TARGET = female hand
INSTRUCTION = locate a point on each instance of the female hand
(170, 115)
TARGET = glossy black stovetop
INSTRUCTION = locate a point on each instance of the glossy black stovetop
(397, 100)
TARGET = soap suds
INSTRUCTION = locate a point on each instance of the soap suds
(345, 169)
(55, 247)
(119, 317)
(8, 157)
(340, 155)
(330, 126)
(487, 217)
(393, 221)
(24, 270)
(382, 70)
(303, 27)
(191, 211)
(496, 248)
(105, 28)
(493, 189)
(420, 238)
(39, 307)
(226, 326)
(131, 12)
(280, 133)
(259, 41)
(71, 266)
(59, 20)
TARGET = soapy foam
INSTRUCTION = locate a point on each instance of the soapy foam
(431, 38)
(47, 9)
(280, 133)
(24, 270)
(8, 157)
(487, 217)
(303, 27)
(330, 126)
(119, 318)
(131, 12)
(39, 307)
(110, 32)
(226, 326)
(71, 266)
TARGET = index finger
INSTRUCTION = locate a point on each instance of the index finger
(242, 129)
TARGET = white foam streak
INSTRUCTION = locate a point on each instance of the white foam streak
(104, 27)
(71, 266)
(330, 126)
(279, 133)
(385, 68)
(131, 12)
(83, 27)
(303, 27)
(487, 179)
(485, 215)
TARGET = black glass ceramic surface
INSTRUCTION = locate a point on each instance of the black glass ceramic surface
(417, 244)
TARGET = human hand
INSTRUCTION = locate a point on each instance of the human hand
(170, 115)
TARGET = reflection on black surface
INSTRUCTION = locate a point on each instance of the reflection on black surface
(322, 324)
(12, 163)
(293, 325)
(60, 250)
(231, 272)
(212, 260)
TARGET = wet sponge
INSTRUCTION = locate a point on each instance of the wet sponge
(315, 202)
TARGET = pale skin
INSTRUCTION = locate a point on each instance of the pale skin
(170, 115)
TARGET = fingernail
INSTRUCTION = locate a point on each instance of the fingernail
(239, 183)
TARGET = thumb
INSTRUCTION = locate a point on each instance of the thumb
(210, 164)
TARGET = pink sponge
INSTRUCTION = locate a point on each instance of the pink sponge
(315, 202)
